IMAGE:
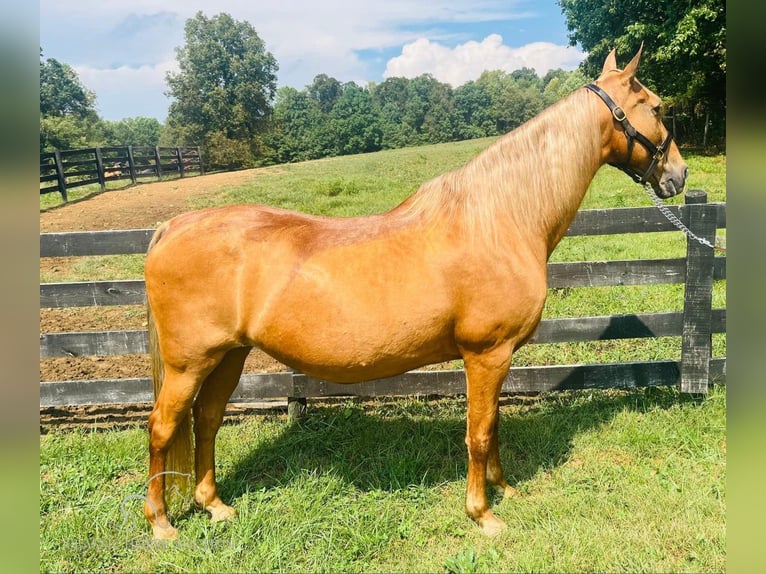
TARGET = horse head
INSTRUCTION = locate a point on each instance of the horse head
(636, 114)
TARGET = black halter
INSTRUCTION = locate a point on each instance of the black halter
(633, 134)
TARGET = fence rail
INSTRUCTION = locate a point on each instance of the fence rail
(67, 169)
(695, 324)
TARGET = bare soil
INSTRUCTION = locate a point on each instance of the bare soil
(137, 207)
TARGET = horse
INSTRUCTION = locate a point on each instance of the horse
(456, 271)
(114, 171)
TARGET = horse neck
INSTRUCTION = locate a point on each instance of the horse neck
(535, 177)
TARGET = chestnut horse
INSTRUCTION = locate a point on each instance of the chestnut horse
(458, 270)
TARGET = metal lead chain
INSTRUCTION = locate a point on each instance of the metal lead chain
(674, 220)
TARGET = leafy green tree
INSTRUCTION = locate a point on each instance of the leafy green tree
(325, 91)
(225, 87)
(513, 99)
(62, 93)
(526, 78)
(560, 83)
(390, 101)
(68, 118)
(472, 107)
(138, 131)
(429, 111)
(299, 129)
(684, 60)
(440, 120)
(354, 122)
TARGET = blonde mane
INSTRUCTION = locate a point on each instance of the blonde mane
(532, 178)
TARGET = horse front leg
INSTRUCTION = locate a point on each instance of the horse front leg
(495, 474)
(485, 373)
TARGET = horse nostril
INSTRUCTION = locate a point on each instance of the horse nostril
(686, 172)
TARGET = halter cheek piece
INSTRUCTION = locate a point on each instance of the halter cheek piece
(633, 135)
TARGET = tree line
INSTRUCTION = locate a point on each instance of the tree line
(224, 96)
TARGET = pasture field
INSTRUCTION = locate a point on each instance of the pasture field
(610, 480)
(630, 481)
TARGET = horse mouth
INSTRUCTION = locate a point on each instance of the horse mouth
(670, 186)
(667, 190)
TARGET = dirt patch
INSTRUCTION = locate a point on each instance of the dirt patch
(141, 206)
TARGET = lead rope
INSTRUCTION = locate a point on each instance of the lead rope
(657, 201)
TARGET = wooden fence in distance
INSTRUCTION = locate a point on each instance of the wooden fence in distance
(63, 170)
(695, 324)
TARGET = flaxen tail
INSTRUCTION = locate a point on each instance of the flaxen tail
(180, 454)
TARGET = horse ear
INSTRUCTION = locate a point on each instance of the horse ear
(630, 69)
(611, 62)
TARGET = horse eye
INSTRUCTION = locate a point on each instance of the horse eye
(657, 111)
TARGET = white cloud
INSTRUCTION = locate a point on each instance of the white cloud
(467, 61)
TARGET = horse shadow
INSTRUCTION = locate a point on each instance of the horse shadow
(389, 447)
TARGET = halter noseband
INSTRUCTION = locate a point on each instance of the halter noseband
(633, 135)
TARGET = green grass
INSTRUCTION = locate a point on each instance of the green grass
(610, 481)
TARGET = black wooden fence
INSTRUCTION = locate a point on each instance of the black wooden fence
(63, 170)
(695, 324)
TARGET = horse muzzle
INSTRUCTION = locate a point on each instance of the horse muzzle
(672, 182)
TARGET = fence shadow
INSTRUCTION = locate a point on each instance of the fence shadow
(372, 449)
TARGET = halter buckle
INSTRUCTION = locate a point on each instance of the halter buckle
(619, 114)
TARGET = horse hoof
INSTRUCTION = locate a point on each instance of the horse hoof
(221, 513)
(510, 492)
(491, 525)
(506, 491)
(164, 532)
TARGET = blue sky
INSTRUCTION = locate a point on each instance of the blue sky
(122, 51)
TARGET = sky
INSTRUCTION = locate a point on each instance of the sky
(122, 51)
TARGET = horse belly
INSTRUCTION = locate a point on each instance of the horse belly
(344, 326)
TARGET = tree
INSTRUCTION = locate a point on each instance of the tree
(390, 101)
(559, 83)
(684, 60)
(354, 124)
(325, 91)
(68, 118)
(138, 131)
(512, 101)
(472, 106)
(62, 94)
(225, 88)
(431, 110)
(298, 130)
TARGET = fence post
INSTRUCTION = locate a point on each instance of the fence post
(199, 157)
(696, 339)
(100, 169)
(61, 180)
(180, 157)
(296, 404)
(158, 161)
(132, 165)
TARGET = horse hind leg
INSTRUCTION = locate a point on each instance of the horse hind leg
(208, 411)
(169, 436)
(171, 411)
